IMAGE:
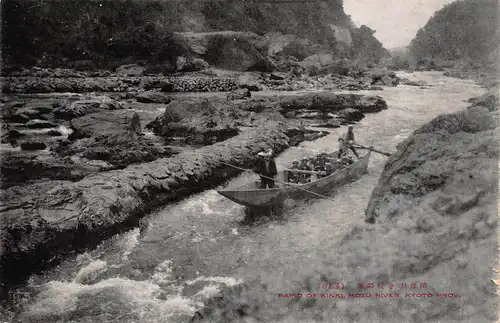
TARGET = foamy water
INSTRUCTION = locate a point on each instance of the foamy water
(188, 251)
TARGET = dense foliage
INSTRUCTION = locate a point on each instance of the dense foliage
(46, 32)
(109, 33)
(461, 30)
(366, 46)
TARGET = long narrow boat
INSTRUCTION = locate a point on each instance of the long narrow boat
(250, 195)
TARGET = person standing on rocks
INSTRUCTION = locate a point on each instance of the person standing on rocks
(347, 142)
(266, 167)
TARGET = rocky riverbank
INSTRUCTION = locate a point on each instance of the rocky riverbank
(436, 219)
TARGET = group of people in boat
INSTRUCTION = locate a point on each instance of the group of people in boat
(316, 168)
(313, 167)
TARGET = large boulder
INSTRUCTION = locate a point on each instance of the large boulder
(82, 105)
(278, 44)
(250, 81)
(383, 76)
(350, 114)
(130, 70)
(184, 64)
(33, 145)
(239, 94)
(488, 100)
(29, 109)
(409, 82)
(312, 64)
(341, 34)
(197, 121)
(105, 123)
(118, 150)
(228, 50)
(154, 97)
(39, 124)
(20, 169)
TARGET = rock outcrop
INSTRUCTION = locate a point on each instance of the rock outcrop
(488, 100)
(199, 121)
(228, 50)
(436, 225)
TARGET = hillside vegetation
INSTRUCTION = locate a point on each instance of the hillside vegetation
(466, 31)
(99, 34)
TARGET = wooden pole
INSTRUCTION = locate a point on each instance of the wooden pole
(372, 149)
(303, 171)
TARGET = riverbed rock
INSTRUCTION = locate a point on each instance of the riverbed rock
(80, 106)
(130, 70)
(117, 150)
(277, 76)
(239, 94)
(26, 110)
(198, 121)
(150, 83)
(106, 123)
(33, 145)
(39, 124)
(21, 169)
(351, 114)
(54, 133)
(11, 135)
(314, 63)
(406, 81)
(488, 100)
(153, 97)
(250, 81)
(330, 102)
(278, 44)
(383, 76)
(330, 123)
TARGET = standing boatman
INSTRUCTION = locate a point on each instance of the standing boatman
(266, 167)
(347, 142)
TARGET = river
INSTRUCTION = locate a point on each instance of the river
(184, 252)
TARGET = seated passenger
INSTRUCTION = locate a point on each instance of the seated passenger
(329, 169)
(305, 165)
(338, 164)
(322, 159)
(294, 177)
(347, 161)
(312, 162)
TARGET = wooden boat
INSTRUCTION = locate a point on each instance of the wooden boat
(250, 195)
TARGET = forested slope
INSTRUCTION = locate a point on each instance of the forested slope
(466, 31)
(101, 32)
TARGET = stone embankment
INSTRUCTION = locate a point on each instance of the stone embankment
(434, 221)
(66, 80)
(116, 84)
